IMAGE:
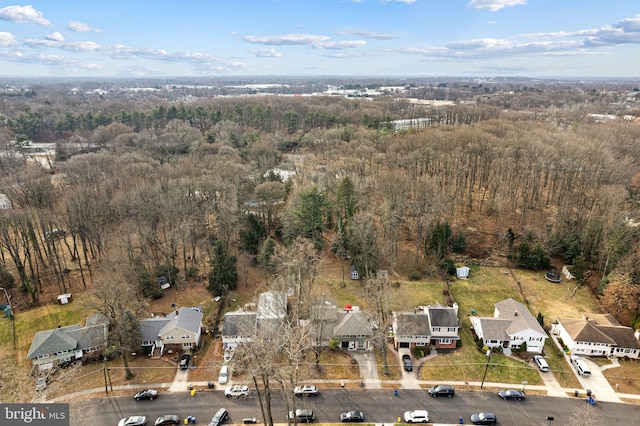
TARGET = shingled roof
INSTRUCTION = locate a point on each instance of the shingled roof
(353, 324)
(520, 317)
(581, 330)
(412, 324)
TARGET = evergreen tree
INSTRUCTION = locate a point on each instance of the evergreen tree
(224, 274)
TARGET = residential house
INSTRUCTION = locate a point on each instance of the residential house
(354, 330)
(324, 318)
(265, 317)
(597, 335)
(68, 344)
(239, 327)
(271, 311)
(177, 331)
(511, 326)
(435, 325)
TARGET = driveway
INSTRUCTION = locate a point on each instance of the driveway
(597, 383)
(368, 368)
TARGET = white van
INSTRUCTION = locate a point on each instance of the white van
(580, 366)
(541, 363)
(223, 377)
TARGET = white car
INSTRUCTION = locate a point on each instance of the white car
(306, 390)
(416, 416)
(133, 421)
(541, 363)
(236, 391)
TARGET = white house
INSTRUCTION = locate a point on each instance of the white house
(511, 326)
(597, 335)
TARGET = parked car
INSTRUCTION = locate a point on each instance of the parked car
(167, 419)
(483, 419)
(511, 394)
(416, 416)
(302, 415)
(184, 361)
(220, 417)
(133, 421)
(406, 362)
(146, 394)
(352, 416)
(541, 363)
(441, 390)
(223, 377)
(236, 391)
(41, 383)
(306, 390)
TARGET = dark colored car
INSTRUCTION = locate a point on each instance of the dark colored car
(483, 419)
(441, 390)
(146, 394)
(184, 361)
(167, 419)
(406, 362)
(220, 417)
(511, 394)
(352, 416)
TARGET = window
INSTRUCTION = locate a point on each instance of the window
(436, 328)
(185, 336)
(451, 329)
(445, 341)
(170, 338)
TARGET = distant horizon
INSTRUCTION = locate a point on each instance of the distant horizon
(537, 39)
(297, 78)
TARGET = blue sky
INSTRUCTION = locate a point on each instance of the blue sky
(155, 38)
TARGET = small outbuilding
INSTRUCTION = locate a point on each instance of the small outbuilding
(354, 273)
(463, 272)
(63, 299)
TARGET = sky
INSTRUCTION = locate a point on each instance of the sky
(422, 38)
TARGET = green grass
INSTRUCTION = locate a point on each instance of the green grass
(468, 364)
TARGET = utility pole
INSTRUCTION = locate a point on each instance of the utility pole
(486, 367)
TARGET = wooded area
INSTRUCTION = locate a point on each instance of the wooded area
(157, 186)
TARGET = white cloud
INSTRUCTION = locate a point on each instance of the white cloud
(7, 39)
(23, 14)
(494, 5)
(367, 34)
(287, 39)
(81, 27)
(55, 36)
(266, 53)
(338, 45)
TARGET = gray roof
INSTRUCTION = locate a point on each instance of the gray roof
(88, 337)
(521, 318)
(185, 319)
(68, 338)
(353, 324)
(150, 327)
(239, 324)
(412, 324)
(443, 317)
(95, 319)
(494, 328)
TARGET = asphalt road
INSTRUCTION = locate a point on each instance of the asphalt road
(379, 406)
